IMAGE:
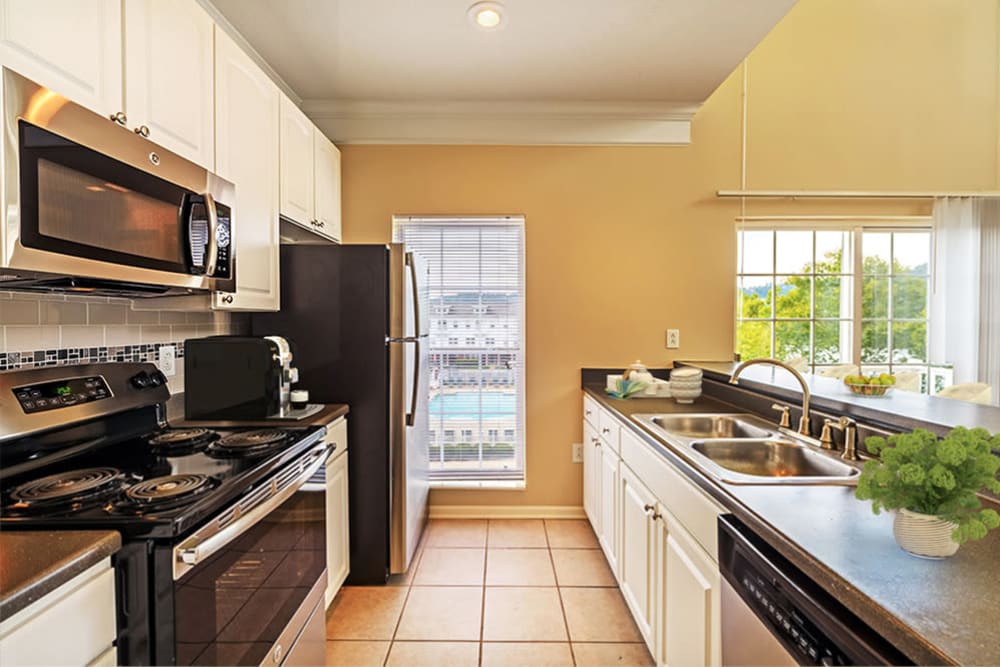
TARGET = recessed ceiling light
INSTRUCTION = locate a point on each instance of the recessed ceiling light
(487, 15)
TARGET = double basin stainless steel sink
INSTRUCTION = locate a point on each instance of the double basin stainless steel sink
(744, 449)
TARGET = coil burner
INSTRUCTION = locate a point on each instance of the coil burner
(182, 441)
(168, 492)
(248, 444)
(66, 492)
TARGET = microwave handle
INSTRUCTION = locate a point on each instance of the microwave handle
(211, 262)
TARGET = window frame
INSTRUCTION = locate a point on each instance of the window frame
(856, 227)
(516, 478)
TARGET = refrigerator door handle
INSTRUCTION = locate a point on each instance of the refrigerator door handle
(415, 286)
(412, 414)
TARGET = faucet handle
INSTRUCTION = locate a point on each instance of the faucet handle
(826, 437)
(786, 420)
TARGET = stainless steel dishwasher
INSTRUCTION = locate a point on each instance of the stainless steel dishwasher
(773, 614)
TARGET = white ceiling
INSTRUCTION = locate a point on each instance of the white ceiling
(661, 54)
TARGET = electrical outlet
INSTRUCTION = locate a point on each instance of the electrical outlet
(166, 359)
(577, 452)
(673, 338)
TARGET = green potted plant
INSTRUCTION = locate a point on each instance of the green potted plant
(933, 482)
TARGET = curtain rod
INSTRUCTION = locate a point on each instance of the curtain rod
(852, 194)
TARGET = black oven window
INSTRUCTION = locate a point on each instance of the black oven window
(231, 609)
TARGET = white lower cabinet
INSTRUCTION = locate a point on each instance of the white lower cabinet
(688, 595)
(657, 530)
(73, 625)
(609, 505)
(338, 547)
(638, 555)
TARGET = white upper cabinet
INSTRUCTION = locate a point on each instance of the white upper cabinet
(310, 174)
(169, 67)
(327, 185)
(73, 47)
(246, 153)
(297, 193)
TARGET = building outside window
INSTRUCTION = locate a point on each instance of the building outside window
(836, 300)
(476, 283)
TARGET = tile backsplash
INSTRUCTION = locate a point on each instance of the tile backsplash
(56, 330)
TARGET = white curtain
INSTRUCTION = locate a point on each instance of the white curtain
(965, 300)
(987, 211)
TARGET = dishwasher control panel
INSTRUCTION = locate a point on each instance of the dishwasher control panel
(800, 635)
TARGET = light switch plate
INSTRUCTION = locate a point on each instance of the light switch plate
(577, 452)
(673, 338)
(166, 359)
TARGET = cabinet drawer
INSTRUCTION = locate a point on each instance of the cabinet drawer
(609, 428)
(336, 434)
(590, 411)
(72, 625)
(683, 499)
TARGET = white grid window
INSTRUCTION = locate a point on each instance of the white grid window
(825, 296)
(476, 284)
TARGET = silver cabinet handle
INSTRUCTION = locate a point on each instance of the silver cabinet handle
(142, 131)
(119, 117)
(587, 412)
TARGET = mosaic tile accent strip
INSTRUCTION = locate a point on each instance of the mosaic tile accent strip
(146, 352)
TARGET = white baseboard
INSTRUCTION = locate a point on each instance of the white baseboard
(506, 512)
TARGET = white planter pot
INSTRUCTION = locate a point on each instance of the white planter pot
(924, 535)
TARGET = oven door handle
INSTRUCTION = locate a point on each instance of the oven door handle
(242, 516)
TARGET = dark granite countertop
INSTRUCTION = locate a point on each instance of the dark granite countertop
(35, 563)
(936, 612)
(330, 413)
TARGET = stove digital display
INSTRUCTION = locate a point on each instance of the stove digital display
(61, 393)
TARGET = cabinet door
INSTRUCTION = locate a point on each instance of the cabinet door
(73, 47)
(337, 536)
(327, 185)
(168, 76)
(297, 164)
(246, 153)
(690, 590)
(608, 536)
(638, 551)
(591, 476)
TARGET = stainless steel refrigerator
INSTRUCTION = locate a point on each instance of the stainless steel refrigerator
(356, 317)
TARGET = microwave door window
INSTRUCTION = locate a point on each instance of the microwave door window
(76, 201)
(81, 209)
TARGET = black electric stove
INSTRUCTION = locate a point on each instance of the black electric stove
(208, 517)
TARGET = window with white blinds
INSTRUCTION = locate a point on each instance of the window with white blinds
(476, 289)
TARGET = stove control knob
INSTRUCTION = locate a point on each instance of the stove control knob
(277, 654)
(157, 379)
(140, 380)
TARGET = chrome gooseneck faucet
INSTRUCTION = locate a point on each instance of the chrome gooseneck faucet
(804, 420)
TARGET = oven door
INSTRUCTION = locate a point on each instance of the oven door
(95, 201)
(245, 593)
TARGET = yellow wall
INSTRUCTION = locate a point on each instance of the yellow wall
(624, 242)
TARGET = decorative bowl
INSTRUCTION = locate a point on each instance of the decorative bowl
(869, 389)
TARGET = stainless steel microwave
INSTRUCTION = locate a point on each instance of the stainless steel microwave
(91, 206)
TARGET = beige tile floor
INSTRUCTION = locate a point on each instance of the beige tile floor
(498, 593)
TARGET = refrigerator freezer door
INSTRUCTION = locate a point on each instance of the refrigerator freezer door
(408, 298)
(409, 453)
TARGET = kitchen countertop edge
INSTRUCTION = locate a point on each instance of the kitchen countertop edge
(887, 623)
(35, 563)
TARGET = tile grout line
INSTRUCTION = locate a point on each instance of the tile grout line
(406, 598)
(482, 606)
(555, 577)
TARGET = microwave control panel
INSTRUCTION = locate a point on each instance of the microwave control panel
(61, 393)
